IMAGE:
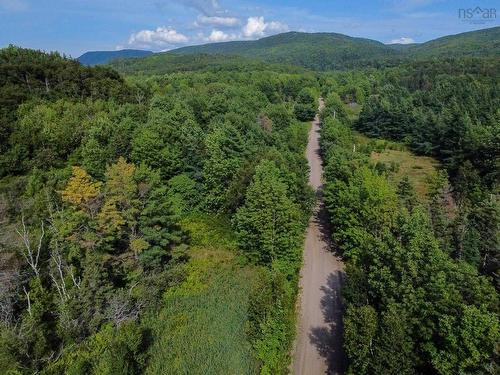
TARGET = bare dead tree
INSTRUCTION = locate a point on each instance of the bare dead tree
(28, 299)
(26, 78)
(4, 206)
(122, 308)
(58, 261)
(61, 284)
(139, 96)
(132, 287)
(30, 254)
(76, 282)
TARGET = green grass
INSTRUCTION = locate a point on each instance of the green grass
(417, 168)
(375, 144)
(209, 231)
(400, 161)
(361, 139)
(201, 328)
(353, 111)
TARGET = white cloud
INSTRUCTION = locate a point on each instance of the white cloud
(258, 27)
(218, 36)
(160, 37)
(276, 27)
(255, 27)
(164, 38)
(402, 40)
(217, 20)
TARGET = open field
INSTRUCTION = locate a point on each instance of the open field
(201, 327)
(399, 161)
(405, 163)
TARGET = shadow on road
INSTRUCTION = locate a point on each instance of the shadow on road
(324, 310)
(328, 340)
(321, 219)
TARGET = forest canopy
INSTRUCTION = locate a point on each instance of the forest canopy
(103, 182)
(422, 274)
(153, 222)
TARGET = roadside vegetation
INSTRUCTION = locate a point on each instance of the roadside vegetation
(421, 273)
(154, 223)
(150, 225)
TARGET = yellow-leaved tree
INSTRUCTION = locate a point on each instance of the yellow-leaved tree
(81, 190)
(120, 200)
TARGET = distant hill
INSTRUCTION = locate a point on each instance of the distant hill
(104, 57)
(401, 47)
(484, 42)
(316, 51)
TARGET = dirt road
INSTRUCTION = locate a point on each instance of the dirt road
(318, 347)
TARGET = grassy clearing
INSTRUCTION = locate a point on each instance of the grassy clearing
(353, 110)
(201, 328)
(404, 163)
(399, 161)
(361, 139)
(374, 144)
(209, 232)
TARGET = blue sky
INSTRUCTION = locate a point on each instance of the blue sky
(75, 26)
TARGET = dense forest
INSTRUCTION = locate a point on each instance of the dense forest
(107, 187)
(164, 63)
(450, 110)
(420, 296)
(152, 212)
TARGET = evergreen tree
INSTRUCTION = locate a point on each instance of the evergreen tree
(268, 224)
(159, 229)
(407, 193)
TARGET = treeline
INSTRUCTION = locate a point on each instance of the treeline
(410, 307)
(167, 63)
(447, 109)
(29, 75)
(100, 187)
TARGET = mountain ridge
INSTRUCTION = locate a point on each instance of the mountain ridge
(333, 51)
(318, 51)
(104, 57)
